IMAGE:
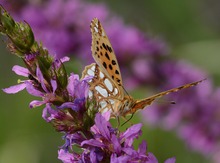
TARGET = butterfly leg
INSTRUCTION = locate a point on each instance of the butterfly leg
(118, 121)
(127, 120)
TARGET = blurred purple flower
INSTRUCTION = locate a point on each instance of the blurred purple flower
(196, 115)
(62, 26)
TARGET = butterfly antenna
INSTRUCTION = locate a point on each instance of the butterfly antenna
(126, 92)
(128, 120)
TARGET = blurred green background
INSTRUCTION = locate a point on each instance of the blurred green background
(192, 30)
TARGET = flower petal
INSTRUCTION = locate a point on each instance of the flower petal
(151, 158)
(15, 88)
(31, 90)
(65, 59)
(93, 142)
(133, 131)
(76, 105)
(48, 113)
(116, 144)
(170, 160)
(41, 79)
(142, 148)
(130, 152)
(115, 159)
(54, 85)
(107, 115)
(65, 156)
(20, 70)
(36, 103)
(102, 125)
(71, 83)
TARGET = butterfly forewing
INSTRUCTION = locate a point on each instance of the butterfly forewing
(103, 52)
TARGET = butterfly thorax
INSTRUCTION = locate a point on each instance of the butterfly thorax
(131, 105)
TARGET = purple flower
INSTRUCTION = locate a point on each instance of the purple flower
(105, 142)
(194, 116)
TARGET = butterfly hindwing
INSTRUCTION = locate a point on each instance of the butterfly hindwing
(102, 89)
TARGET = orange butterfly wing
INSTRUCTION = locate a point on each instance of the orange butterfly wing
(141, 104)
(103, 52)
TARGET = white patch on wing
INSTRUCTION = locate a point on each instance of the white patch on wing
(91, 73)
(102, 91)
(93, 68)
(96, 29)
(108, 84)
(90, 94)
(115, 91)
(111, 101)
(101, 75)
(103, 104)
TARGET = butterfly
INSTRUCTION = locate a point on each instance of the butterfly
(106, 86)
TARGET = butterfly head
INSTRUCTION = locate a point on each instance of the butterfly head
(127, 105)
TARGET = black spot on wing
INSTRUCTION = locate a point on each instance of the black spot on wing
(97, 48)
(118, 80)
(104, 46)
(109, 48)
(110, 66)
(113, 62)
(101, 54)
(107, 56)
(116, 71)
(105, 65)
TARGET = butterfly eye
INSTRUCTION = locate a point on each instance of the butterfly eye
(127, 103)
